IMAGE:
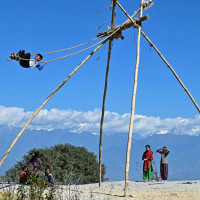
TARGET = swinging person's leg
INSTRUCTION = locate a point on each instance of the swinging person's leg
(25, 63)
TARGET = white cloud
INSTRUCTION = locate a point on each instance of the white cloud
(78, 122)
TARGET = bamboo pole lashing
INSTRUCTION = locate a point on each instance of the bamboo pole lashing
(145, 5)
(129, 23)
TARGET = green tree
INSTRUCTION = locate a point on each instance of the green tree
(68, 164)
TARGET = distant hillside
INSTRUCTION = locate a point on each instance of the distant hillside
(184, 160)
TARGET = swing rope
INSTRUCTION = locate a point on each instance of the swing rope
(76, 52)
(69, 47)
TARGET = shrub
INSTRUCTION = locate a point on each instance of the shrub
(68, 164)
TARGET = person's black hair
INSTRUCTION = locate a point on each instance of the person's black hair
(148, 146)
(35, 155)
(23, 168)
(46, 170)
(41, 57)
(164, 147)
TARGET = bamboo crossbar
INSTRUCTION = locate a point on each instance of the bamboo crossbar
(129, 23)
(145, 5)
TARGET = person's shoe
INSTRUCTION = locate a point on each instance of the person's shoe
(12, 56)
(17, 57)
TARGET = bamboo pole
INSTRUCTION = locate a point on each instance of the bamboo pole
(133, 107)
(172, 70)
(52, 94)
(113, 6)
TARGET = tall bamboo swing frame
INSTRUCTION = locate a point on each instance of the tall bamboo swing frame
(114, 30)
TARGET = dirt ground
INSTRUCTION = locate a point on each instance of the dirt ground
(182, 190)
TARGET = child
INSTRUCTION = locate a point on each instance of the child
(24, 175)
(49, 178)
(24, 60)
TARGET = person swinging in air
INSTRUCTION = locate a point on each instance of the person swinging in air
(26, 62)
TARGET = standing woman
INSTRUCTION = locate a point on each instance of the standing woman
(147, 166)
(37, 163)
(164, 163)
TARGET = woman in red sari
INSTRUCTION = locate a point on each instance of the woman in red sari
(147, 166)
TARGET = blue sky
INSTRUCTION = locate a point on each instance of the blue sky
(42, 26)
